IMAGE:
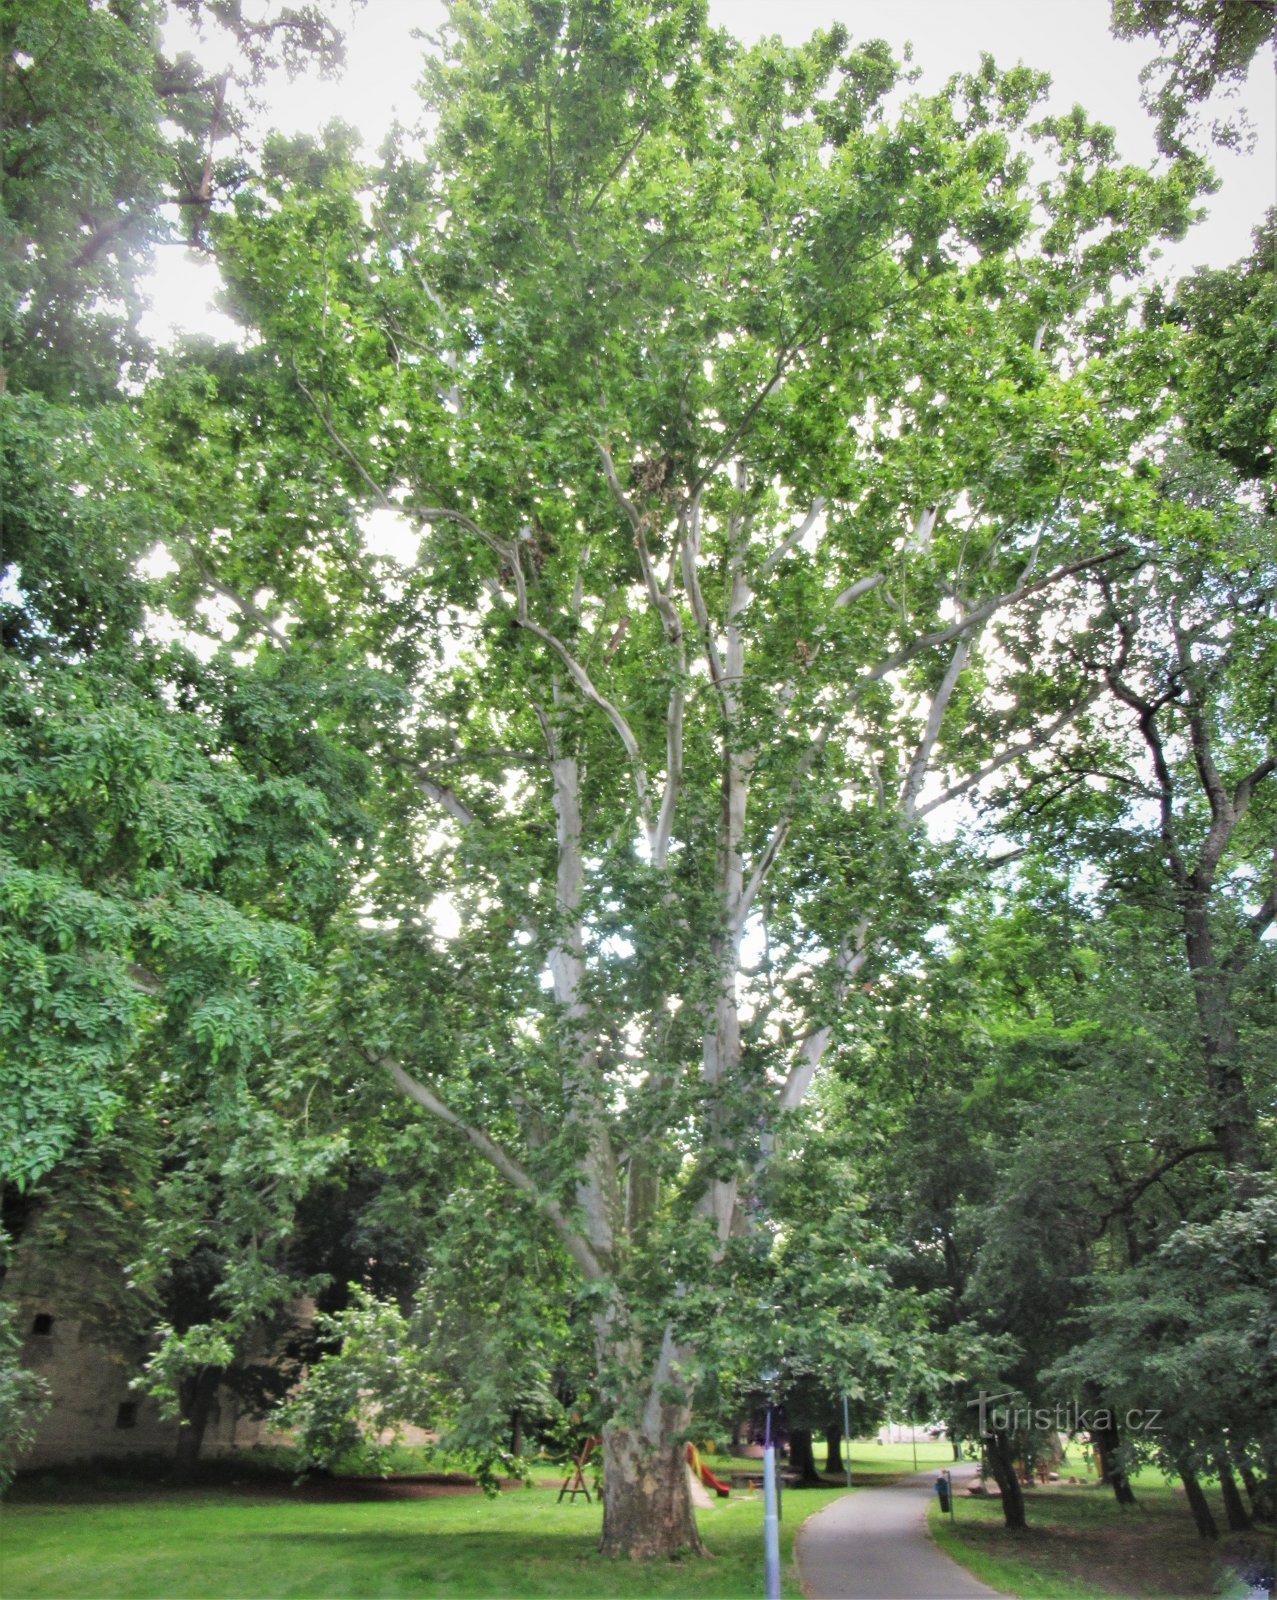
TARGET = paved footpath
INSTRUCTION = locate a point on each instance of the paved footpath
(874, 1545)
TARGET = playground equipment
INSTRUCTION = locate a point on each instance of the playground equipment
(574, 1483)
(721, 1489)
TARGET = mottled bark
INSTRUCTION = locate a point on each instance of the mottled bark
(647, 1509)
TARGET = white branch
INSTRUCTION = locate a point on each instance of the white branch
(855, 590)
(1011, 753)
(923, 528)
(979, 614)
(850, 959)
(794, 538)
(565, 958)
(690, 545)
(577, 1247)
(673, 776)
(443, 796)
(917, 774)
(780, 829)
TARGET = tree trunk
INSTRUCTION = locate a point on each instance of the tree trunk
(833, 1451)
(738, 1431)
(802, 1458)
(647, 1510)
(1107, 1444)
(1212, 990)
(195, 1395)
(1234, 1510)
(1197, 1504)
(1260, 1502)
(516, 1432)
(1002, 1465)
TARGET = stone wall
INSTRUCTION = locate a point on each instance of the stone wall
(94, 1412)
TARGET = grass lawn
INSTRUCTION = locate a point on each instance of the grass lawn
(870, 1461)
(879, 1463)
(355, 1541)
(1081, 1545)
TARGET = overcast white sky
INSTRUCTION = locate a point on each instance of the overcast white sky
(1067, 38)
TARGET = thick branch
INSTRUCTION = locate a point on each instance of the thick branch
(443, 796)
(673, 775)
(247, 608)
(1146, 711)
(691, 548)
(577, 1247)
(780, 829)
(1148, 1180)
(918, 767)
(1013, 752)
(855, 590)
(796, 537)
(979, 614)
(1200, 738)
(851, 957)
(600, 701)
(1246, 787)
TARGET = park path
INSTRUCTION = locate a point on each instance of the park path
(874, 1545)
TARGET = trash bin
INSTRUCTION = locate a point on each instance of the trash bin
(942, 1490)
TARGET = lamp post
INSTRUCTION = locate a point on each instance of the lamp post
(846, 1434)
(771, 1507)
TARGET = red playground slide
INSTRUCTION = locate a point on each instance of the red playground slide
(721, 1489)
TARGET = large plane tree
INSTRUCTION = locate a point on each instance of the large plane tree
(748, 437)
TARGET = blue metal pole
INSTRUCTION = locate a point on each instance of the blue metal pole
(846, 1438)
(771, 1527)
(771, 1519)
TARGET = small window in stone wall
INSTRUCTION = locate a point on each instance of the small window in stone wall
(43, 1323)
(126, 1415)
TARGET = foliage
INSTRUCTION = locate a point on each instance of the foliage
(23, 1401)
(355, 1397)
(767, 456)
(104, 141)
(1210, 46)
(1230, 390)
(1187, 1333)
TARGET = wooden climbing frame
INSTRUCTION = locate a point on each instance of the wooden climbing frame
(574, 1483)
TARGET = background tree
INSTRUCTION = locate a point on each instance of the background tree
(1210, 46)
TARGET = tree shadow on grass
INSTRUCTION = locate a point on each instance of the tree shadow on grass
(477, 1564)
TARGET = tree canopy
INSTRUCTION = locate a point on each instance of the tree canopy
(764, 457)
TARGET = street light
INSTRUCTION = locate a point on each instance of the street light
(771, 1505)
